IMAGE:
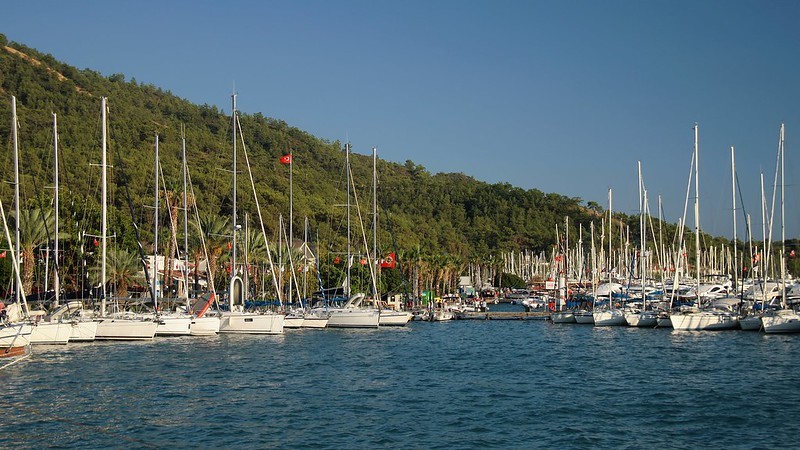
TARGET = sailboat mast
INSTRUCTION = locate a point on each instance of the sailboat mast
(291, 219)
(733, 197)
(610, 236)
(641, 228)
(566, 256)
(762, 260)
(56, 276)
(347, 174)
(15, 137)
(594, 265)
(375, 220)
(185, 219)
(290, 237)
(104, 210)
(783, 230)
(697, 206)
(155, 230)
(643, 252)
(233, 194)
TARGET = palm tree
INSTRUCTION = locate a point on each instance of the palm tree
(411, 263)
(33, 233)
(255, 253)
(122, 270)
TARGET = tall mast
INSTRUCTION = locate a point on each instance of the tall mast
(305, 260)
(783, 231)
(291, 220)
(15, 137)
(290, 238)
(56, 276)
(641, 228)
(697, 206)
(610, 234)
(104, 209)
(733, 196)
(347, 174)
(761, 260)
(155, 231)
(375, 220)
(566, 256)
(233, 244)
(643, 251)
(185, 220)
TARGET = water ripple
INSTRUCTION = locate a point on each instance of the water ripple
(470, 384)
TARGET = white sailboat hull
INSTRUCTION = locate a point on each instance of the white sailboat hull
(174, 326)
(584, 317)
(15, 339)
(609, 318)
(125, 329)
(204, 326)
(783, 321)
(293, 321)
(51, 333)
(563, 317)
(251, 323)
(83, 331)
(663, 320)
(394, 318)
(750, 323)
(315, 322)
(703, 321)
(642, 319)
(353, 318)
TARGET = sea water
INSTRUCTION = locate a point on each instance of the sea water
(449, 385)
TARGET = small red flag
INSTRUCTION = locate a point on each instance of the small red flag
(388, 262)
(286, 159)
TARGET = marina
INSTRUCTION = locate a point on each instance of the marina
(180, 271)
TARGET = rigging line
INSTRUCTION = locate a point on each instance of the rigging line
(53, 418)
(292, 270)
(209, 269)
(174, 252)
(741, 202)
(363, 231)
(258, 209)
(46, 226)
(123, 179)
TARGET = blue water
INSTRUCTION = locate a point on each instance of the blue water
(450, 385)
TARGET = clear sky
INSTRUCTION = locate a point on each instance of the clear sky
(562, 96)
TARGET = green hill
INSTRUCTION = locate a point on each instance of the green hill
(439, 222)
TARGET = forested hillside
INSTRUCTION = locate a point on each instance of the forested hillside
(430, 217)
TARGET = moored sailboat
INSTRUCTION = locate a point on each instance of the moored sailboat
(695, 319)
(236, 319)
(122, 325)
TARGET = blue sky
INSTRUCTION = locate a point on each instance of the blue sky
(561, 96)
